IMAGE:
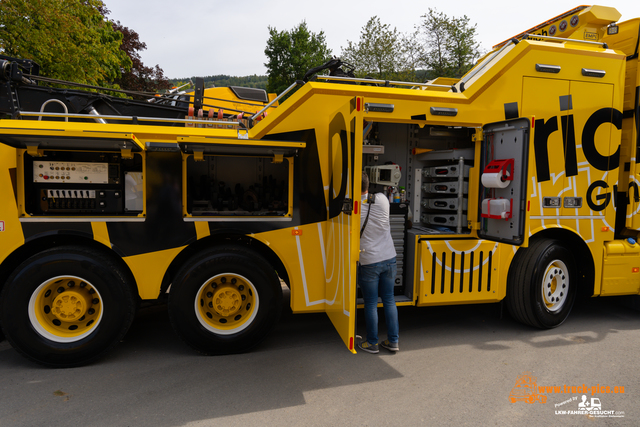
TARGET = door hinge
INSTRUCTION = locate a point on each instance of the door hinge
(347, 206)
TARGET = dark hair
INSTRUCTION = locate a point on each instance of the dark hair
(365, 182)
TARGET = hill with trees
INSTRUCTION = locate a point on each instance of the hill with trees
(222, 80)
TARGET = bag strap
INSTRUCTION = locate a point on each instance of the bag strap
(371, 200)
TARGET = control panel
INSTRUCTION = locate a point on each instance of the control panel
(74, 172)
(80, 183)
(80, 201)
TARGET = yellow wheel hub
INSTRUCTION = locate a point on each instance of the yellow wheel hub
(70, 306)
(65, 309)
(226, 303)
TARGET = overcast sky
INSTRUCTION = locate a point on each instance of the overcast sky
(212, 37)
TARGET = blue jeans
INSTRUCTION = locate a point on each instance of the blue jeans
(375, 280)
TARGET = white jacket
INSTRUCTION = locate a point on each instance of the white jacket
(376, 243)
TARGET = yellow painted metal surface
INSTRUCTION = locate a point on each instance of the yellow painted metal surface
(302, 250)
(621, 269)
(460, 271)
(142, 133)
(343, 244)
(202, 229)
(580, 23)
(11, 235)
(626, 40)
(580, 137)
(149, 269)
(100, 233)
(224, 98)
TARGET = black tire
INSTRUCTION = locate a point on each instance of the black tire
(66, 306)
(247, 296)
(548, 265)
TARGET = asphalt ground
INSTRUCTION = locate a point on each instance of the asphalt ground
(456, 366)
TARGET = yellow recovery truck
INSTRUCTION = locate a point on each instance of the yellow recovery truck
(521, 185)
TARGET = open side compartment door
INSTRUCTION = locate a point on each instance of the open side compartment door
(199, 146)
(37, 136)
(343, 225)
(76, 171)
(503, 183)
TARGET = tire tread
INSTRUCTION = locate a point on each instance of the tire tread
(209, 344)
(127, 306)
(521, 283)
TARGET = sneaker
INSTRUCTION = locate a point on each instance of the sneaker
(369, 348)
(391, 346)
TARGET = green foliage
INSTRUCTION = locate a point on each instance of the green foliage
(449, 45)
(222, 80)
(70, 39)
(381, 53)
(445, 46)
(140, 77)
(291, 54)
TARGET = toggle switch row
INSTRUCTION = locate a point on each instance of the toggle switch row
(71, 194)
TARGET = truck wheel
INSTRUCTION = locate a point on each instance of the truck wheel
(542, 284)
(225, 300)
(66, 306)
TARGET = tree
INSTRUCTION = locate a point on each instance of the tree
(464, 48)
(71, 40)
(449, 45)
(140, 77)
(291, 53)
(412, 58)
(381, 53)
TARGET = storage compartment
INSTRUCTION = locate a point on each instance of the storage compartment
(435, 164)
(442, 159)
(67, 183)
(238, 186)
